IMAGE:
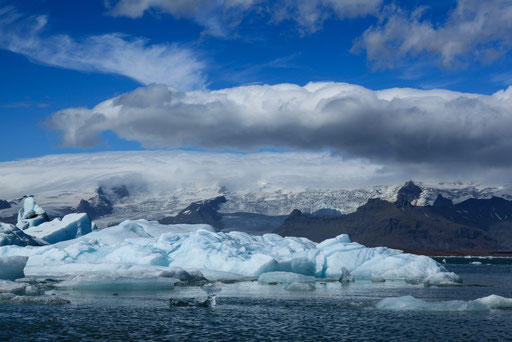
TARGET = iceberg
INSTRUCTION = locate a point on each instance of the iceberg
(284, 278)
(11, 267)
(300, 287)
(12, 235)
(70, 227)
(410, 303)
(31, 215)
(149, 247)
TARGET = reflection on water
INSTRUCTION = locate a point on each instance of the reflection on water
(251, 311)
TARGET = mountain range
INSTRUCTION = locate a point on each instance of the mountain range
(441, 217)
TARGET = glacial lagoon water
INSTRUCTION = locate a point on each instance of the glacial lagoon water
(249, 311)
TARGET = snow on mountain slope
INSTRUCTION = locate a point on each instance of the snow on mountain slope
(155, 184)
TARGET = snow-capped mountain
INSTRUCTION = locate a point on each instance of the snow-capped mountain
(110, 205)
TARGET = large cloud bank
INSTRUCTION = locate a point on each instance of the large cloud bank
(393, 126)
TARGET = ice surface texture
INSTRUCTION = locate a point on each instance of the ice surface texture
(12, 235)
(416, 304)
(143, 246)
(11, 267)
(70, 227)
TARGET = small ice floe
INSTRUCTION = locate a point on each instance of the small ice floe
(410, 303)
(300, 287)
(475, 263)
(209, 302)
(346, 277)
(274, 278)
(25, 293)
(377, 278)
(186, 278)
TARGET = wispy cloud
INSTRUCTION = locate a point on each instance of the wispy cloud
(218, 17)
(395, 126)
(115, 53)
(474, 30)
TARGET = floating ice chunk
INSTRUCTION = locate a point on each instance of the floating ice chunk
(300, 287)
(284, 278)
(70, 227)
(443, 279)
(22, 289)
(117, 284)
(410, 303)
(12, 235)
(192, 278)
(7, 286)
(346, 277)
(11, 267)
(377, 278)
(31, 215)
(476, 263)
(496, 302)
(9, 298)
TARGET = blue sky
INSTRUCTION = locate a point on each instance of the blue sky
(226, 45)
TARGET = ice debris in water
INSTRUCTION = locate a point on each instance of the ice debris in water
(300, 287)
(346, 277)
(209, 302)
(190, 278)
(25, 293)
(11, 267)
(377, 278)
(150, 246)
(274, 278)
(31, 215)
(410, 303)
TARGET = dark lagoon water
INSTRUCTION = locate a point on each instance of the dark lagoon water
(249, 311)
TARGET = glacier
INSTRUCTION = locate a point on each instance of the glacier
(147, 248)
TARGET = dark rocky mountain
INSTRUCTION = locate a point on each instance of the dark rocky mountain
(97, 206)
(326, 212)
(472, 225)
(206, 212)
(407, 194)
(251, 223)
(4, 205)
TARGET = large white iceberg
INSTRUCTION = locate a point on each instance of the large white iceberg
(69, 227)
(142, 246)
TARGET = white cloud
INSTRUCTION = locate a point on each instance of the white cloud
(136, 58)
(399, 126)
(475, 29)
(218, 16)
(310, 14)
(168, 171)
